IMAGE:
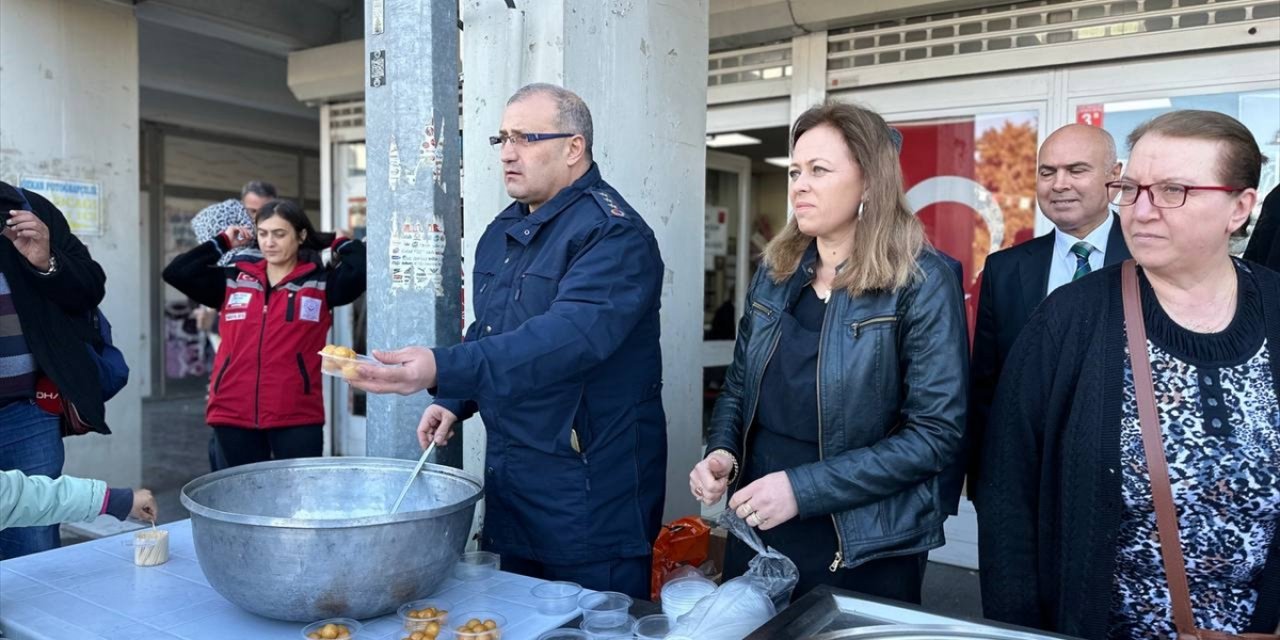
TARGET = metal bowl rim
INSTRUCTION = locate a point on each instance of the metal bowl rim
(289, 523)
(960, 631)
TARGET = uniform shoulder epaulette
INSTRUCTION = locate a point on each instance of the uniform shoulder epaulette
(607, 203)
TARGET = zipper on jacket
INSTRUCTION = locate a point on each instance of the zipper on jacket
(871, 322)
(755, 403)
(768, 313)
(822, 335)
(306, 380)
(226, 364)
(257, 391)
(288, 310)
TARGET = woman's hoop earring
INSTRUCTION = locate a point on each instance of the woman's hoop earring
(861, 205)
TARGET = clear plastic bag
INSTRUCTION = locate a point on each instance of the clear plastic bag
(743, 604)
(776, 573)
(733, 610)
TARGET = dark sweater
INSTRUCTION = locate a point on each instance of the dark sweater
(1051, 458)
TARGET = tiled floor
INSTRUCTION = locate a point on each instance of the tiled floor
(175, 441)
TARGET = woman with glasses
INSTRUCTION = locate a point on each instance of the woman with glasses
(1068, 534)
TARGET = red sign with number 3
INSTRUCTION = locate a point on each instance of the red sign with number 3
(1090, 114)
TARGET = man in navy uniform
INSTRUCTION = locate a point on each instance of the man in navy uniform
(563, 361)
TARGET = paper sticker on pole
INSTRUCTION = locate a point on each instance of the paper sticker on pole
(393, 165)
(378, 11)
(377, 68)
(417, 256)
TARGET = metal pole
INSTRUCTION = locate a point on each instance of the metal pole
(415, 222)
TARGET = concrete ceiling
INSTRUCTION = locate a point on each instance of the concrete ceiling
(221, 65)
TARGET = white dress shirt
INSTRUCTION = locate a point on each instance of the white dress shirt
(1063, 266)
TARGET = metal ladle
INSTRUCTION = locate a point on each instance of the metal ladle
(416, 470)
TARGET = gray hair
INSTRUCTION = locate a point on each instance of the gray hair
(258, 188)
(573, 114)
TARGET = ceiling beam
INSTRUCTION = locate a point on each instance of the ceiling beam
(270, 26)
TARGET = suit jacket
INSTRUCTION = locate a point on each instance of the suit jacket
(1013, 284)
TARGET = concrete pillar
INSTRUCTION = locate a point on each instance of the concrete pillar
(415, 220)
(808, 72)
(641, 66)
(75, 118)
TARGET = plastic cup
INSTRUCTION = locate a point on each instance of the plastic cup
(609, 628)
(557, 598)
(654, 627)
(565, 634)
(477, 565)
(462, 620)
(605, 608)
(414, 619)
(321, 630)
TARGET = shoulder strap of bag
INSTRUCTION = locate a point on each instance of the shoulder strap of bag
(1153, 445)
(1158, 469)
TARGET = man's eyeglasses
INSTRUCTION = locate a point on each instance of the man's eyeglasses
(523, 139)
(1166, 195)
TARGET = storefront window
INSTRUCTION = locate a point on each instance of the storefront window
(1257, 110)
(187, 353)
(971, 180)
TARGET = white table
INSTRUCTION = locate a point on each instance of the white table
(93, 591)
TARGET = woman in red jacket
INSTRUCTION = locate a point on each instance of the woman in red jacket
(275, 312)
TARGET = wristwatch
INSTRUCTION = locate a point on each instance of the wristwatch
(53, 266)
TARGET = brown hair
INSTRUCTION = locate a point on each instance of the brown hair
(1239, 163)
(888, 236)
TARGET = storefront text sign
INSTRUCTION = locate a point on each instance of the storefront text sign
(79, 200)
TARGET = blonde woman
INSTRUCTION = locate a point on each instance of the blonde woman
(845, 401)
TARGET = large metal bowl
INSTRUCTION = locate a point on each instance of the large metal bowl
(310, 538)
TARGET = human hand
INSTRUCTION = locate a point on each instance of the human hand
(767, 502)
(417, 371)
(710, 478)
(237, 236)
(144, 506)
(437, 424)
(30, 236)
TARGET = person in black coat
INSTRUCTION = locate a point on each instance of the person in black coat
(49, 286)
(1066, 523)
(1263, 248)
(1075, 163)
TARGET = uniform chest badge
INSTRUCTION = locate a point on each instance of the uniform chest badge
(310, 309)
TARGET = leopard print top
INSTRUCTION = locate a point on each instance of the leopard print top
(1221, 426)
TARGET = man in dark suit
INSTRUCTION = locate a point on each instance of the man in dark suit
(1075, 163)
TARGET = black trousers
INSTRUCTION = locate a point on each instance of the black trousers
(246, 446)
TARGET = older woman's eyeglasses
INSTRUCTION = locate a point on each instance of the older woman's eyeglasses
(1166, 195)
(523, 139)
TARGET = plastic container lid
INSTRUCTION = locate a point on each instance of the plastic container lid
(332, 629)
(556, 598)
(680, 595)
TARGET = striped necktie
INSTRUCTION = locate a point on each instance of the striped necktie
(1081, 251)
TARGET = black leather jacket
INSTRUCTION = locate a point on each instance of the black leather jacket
(892, 380)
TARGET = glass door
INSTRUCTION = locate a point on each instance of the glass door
(348, 218)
